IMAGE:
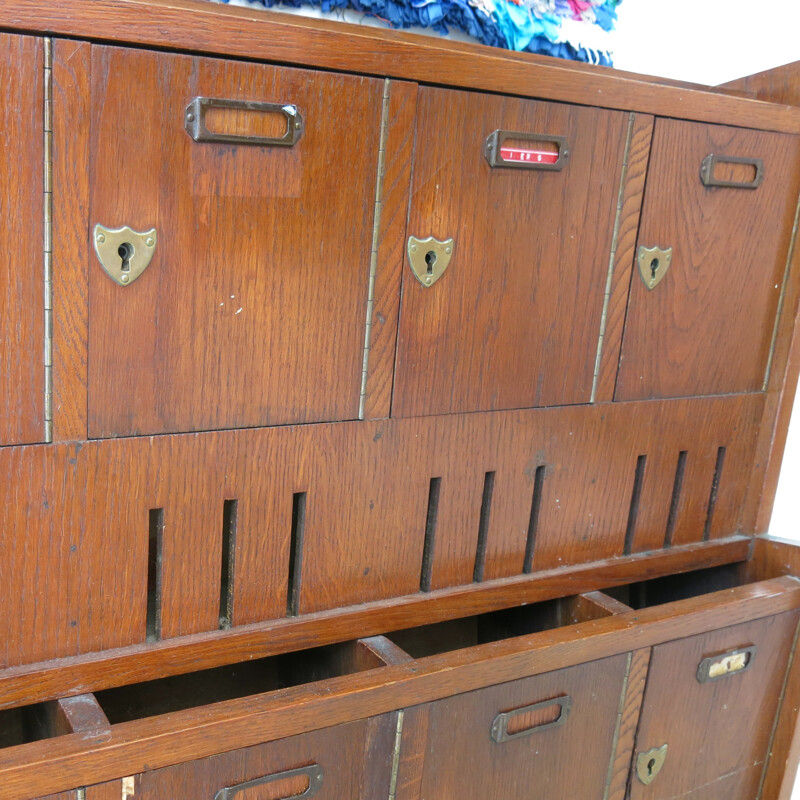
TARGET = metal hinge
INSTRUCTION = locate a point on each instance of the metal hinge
(48, 239)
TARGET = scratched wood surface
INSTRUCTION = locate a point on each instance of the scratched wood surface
(253, 309)
(70, 510)
(22, 352)
(514, 321)
(707, 327)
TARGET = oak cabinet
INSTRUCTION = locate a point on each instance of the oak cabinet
(514, 320)
(723, 201)
(252, 309)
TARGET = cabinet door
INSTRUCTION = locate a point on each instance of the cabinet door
(253, 308)
(347, 762)
(514, 320)
(549, 736)
(712, 700)
(22, 273)
(706, 326)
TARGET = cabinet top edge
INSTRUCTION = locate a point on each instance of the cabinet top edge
(202, 27)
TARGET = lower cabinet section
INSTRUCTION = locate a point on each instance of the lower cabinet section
(712, 700)
(345, 762)
(550, 736)
(657, 690)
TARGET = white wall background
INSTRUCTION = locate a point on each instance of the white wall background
(708, 41)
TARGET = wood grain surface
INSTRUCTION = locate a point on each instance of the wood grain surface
(124, 665)
(69, 510)
(252, 311)
(718, 728)
(624, 254)
(71, 247)
(31, 770)
(778, 85)
(514, 321)
(253, 34)
(628, 721)
(390, 246)
(22, 348)
(463, 762)
(707, 327)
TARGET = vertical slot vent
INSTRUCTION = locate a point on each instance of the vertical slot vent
(636, 495)
(430, 534)
(483, 527)
(533, 521)
(677, 488)
(296, 552)
(712, 496)
(230, 514)
(154, 551)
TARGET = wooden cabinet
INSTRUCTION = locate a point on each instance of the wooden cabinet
(345, 762)
(707, 327)
(349, 446)
(23, 353)
(712, 700)
(253, 309)
(526, 738)
(515, 319)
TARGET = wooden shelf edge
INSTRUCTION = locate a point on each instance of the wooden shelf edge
(74, 675)
(29, 771)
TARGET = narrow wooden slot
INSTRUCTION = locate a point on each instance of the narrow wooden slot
(430, 534)
(483, 527)
(712, 497)
(296, 552)
(636, 495)
(533, 521)
(677, 488)
(230, 515)
(154, 571)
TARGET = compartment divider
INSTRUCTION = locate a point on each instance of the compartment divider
(79, 714)
(384, 651)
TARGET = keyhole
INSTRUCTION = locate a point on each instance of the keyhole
(651, 763)
(430, 260)
(125, 252)
(653, 268)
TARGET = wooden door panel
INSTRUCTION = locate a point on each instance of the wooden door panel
(706, 328)
(352, 761)
(464, 761)
(22, 276)
(253, 309)
(515, 319)
(717, 731)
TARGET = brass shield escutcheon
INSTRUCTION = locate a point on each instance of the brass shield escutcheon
(429, 258)
(649, 764)
(123, 252)
(653, 265)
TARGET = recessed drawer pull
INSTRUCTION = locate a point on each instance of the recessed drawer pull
(526, 150)
(744, 173)
(531, 719)
(312, 773)
(233, 121)
(722, 666)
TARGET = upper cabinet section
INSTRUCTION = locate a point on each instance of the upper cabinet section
(22, 270)
(251, 191)
(718, 209)
(527, 192)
